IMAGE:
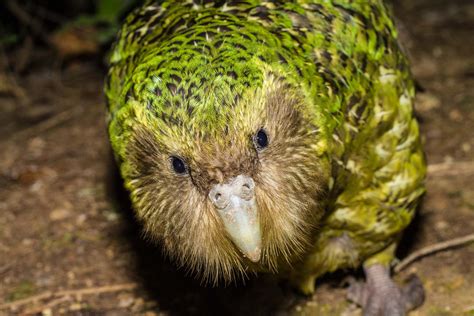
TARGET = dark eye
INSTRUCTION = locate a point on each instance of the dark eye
(178, 165)
(261, 139)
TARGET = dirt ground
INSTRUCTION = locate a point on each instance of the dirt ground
(66, 226)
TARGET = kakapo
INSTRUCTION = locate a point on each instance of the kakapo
(270, 136)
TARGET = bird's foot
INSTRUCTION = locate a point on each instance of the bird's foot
(380, 296)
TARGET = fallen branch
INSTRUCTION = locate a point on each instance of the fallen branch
(451, 168)
(66, 293)
(456, 242)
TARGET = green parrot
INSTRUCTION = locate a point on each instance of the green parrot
(270, 136)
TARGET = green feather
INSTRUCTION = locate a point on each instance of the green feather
(184, 65)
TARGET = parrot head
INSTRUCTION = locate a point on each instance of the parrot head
(222, 167)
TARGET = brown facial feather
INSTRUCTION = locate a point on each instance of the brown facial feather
(225, 163)
(175, 208)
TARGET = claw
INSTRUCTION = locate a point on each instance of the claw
(413, 292)
(356, 292)
(380, 296)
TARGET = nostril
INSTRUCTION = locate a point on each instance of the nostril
(248, 185)
(219, 198)
(246, 190)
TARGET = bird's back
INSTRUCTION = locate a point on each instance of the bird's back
(332, 49)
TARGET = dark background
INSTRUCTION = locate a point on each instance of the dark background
(64, 221)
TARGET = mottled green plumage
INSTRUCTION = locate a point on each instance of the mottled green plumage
(195, 76)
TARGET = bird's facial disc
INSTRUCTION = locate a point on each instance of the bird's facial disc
(235, 203)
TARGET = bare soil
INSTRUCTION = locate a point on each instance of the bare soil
(65, 223)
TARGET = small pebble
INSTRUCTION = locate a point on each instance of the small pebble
(59, 214)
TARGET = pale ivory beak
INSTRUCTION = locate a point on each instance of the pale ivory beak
(235, 203)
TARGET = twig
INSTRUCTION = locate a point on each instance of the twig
(451, 168)
(9, 80)
(23, 55)
(65, 293)
(456, 242)
(38, 309)
(27, 300)
(53, 121)
(6, 267)
(45, 14)
(14, 262)
(24, 17)
(98, 290)
(469, 309)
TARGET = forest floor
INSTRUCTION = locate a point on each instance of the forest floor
(69, 244)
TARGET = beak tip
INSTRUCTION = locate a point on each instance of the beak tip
(255, 255)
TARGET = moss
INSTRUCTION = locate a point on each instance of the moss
(439, 311)
(22, 290)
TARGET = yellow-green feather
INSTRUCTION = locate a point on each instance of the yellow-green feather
(185, 64)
